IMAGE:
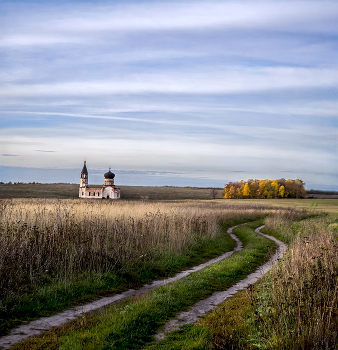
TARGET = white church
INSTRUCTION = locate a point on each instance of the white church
(108, 189)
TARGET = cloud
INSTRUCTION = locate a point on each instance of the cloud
(169, 15)
(36, 39)
(9, 155)
(227, 81)
(41, 150)
(139, 172)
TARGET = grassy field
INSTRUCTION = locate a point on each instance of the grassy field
(293, 307)
(127, 192)
(328, 203)
(57, 253)
(131, 324)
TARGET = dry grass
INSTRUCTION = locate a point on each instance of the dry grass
(327, 203)
(298, 304)
(295, 306)
(40, 238)
(43, 240)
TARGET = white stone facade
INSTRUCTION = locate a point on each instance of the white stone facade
(108, 190)
(111, 192)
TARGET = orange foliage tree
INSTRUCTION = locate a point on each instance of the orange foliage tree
(265, 189)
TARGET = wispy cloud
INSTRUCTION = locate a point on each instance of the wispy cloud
(41, 150)
(229, 80)
(150, 16)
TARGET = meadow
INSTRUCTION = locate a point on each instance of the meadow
(56, 253)
(295, 306)
(71, 191)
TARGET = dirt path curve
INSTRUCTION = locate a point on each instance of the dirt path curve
(204, 306)
(44, 324)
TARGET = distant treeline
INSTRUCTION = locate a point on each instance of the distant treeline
(312, 191)
(265, 189)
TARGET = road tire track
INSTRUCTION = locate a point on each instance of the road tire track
(204, 306)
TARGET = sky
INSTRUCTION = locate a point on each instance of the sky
(182, 93)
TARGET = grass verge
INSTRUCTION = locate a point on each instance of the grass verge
(293, 307)
(131, 324)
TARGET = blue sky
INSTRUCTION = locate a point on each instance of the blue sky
(169, 93)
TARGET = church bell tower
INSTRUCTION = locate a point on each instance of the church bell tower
(84, 176)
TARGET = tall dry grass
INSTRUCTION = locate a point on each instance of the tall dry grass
(297, 306)
(40, 238)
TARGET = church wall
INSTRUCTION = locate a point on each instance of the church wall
(98, 193)
(111, 192)
(84, 181)
(92, 193)
(108, 182)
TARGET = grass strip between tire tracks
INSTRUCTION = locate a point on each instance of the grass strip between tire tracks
(131, 324)
(224, 326)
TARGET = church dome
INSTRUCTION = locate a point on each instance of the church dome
(109, 175)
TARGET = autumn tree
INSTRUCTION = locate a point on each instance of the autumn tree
(265, 189)
(281, 192)
(239, 192)
(246, 190)
(275, 188)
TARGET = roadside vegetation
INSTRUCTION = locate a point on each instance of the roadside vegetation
(295, 306)
(59, 253)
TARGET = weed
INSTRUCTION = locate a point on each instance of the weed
(295, 305)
